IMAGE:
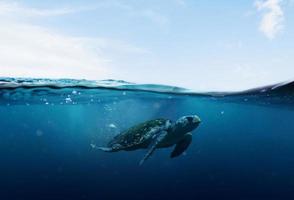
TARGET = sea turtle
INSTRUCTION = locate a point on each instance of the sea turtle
(157, 133)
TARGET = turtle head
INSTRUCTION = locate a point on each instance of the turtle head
(187, 123)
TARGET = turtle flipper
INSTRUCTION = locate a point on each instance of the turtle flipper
(156, 140)
(182, 145)
(105, 149)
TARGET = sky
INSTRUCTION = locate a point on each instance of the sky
(223, 45)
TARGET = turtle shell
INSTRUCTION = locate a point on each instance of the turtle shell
(136, 136)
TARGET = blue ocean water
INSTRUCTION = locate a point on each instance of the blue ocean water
(243, 148)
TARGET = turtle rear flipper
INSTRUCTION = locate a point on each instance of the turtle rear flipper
(156, 140)
(182, 145)
(105, 149)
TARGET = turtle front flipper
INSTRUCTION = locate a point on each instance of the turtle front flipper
(182, 145)
(155, 141)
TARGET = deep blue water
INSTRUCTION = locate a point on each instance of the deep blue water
(243, 149)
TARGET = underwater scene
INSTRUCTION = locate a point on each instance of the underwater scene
(51, 132)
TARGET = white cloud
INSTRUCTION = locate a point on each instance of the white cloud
(28, 50)
(16, 9)
(272, 19)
